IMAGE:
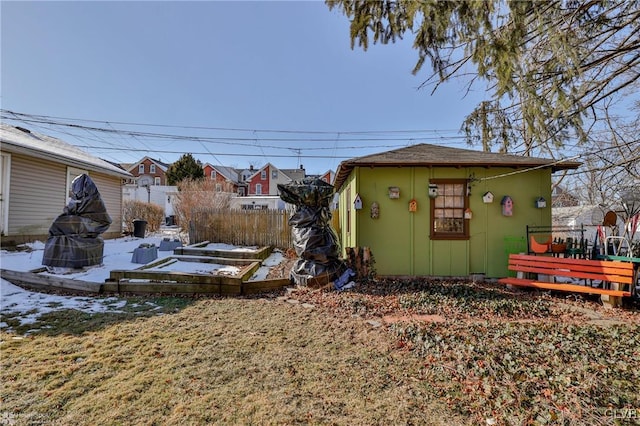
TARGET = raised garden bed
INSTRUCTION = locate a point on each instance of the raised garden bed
(228, 273)
(202, 249)
(157, 277)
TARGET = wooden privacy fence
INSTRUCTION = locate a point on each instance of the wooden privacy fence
(241, 227)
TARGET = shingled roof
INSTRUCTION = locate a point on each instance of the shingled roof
(18, 139)
(426, 155)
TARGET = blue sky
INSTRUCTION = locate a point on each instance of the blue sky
(248, 66)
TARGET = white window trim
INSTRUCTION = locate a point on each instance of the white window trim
(141, 168)
(258, 189)
(4, 205)
(152, 168)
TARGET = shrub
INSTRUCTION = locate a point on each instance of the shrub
(198, 194)
(152, 213)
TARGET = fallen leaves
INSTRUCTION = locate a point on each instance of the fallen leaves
(509, 356)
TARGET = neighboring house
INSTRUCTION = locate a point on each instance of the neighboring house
(161, 195)
(255, 202)
(591, 217)
(560, 197)
(245, 174)
(328, 176)
(428, 210)
(265, 180)
(148, 172)
(295, 174)
(227, 179)
(36, 172)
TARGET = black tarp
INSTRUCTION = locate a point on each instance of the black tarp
(315, 241)
(74, 236)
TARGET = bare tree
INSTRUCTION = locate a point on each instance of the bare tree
(611, 172)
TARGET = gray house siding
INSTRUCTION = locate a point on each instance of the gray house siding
(35, 177)
(36, 195)
(111, 193)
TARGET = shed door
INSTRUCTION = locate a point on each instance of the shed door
(5, 166)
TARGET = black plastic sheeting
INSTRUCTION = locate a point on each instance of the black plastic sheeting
(74, 236)
(315, 241)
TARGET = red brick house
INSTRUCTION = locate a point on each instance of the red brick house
(265, 180)
(227, 179)
(328, 176)
(148, 171)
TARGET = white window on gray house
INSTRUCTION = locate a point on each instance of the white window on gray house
(152, 168)
(259, 189)
(213, 174)
(141, 169)
(263, 175)
(274, 174)
(156, 181)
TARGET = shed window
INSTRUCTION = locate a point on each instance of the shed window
(447, 210)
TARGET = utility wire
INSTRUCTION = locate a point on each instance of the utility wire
(40, 121)
(327, 132)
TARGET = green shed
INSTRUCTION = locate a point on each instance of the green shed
(429, 210)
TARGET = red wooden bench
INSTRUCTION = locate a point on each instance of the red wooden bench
(605, 271)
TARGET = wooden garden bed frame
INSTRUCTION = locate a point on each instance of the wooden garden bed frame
(142, 280)
(201, 249)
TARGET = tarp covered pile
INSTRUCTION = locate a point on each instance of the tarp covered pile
(74, 236)
(315, 241)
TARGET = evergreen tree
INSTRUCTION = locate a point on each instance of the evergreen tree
(185, 168)
(546, 65)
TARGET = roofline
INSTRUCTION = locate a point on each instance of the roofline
(256, 171)
(162, 165)
(223, 171)
(19, 149)
(346, 167)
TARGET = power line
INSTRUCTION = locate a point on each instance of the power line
(230, 129)
(238, 140)
(338, 141)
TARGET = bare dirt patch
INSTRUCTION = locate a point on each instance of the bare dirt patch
(392, 319)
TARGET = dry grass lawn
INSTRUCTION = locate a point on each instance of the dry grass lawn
(484, 356)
